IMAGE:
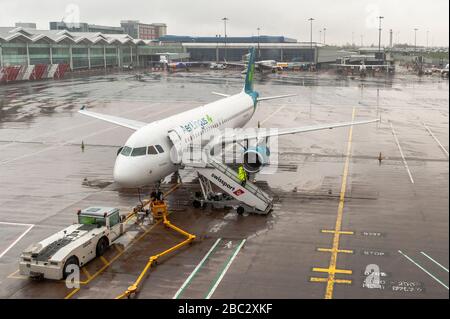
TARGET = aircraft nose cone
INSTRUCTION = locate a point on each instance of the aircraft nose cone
(124, 174)
(130, 174)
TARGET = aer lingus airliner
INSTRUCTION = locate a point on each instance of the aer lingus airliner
(146, 159)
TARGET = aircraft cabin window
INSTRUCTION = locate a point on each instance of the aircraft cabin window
(159, 148)
(138, 151)
(151, 150)
(126, 151)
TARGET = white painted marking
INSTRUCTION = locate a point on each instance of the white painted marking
(426, 271)
(200, 264)
(18, 238)
(15, 224)
(434, 261)
(213, 289)
(401, 153)
(435, 138)
(217, 227)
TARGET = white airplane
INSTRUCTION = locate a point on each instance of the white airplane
(146, 159)
(217, 66)
(362, 68)
(261, 66)
(270, 65)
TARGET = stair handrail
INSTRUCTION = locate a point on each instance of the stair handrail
(248, 185)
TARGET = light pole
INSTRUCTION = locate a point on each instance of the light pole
(312, 52)
(320, 36)
(259, 50)
(324, 33)
(311, 21)
(379, 34)
(415, 39)
(428, 33)
(353, 39)
(225, 27)
(362, 40)
(217, 48)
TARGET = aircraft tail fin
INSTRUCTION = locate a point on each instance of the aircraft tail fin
(248, 87)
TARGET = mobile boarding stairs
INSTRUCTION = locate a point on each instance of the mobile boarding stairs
(245, 198)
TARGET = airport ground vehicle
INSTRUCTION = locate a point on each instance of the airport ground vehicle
(90, 237)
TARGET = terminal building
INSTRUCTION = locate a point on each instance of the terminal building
(220, 39)
(87, 50)
(80, 50)
(133, 28)
(219, 48)
(286, 52)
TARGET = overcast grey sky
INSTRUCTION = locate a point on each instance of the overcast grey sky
(282, 17)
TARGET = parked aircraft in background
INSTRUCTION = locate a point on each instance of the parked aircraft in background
(217, 66)
(362, 68)
(261, 66)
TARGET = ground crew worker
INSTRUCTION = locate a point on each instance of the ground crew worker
(242, 175)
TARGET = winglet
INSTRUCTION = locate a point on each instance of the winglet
(83, 107)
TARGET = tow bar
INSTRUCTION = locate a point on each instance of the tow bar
(159, 212)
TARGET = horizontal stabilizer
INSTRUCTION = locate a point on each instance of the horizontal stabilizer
(275, 97)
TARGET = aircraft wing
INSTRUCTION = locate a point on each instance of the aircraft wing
(254, 133)
(368, 66)
(347, 65)
(376, 66)
(132, 124)
(244, 65)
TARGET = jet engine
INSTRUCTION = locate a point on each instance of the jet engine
(255, 158)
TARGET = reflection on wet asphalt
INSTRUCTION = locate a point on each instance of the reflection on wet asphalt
(22, 102)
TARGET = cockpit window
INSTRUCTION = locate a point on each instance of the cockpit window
(126, 151)
(151, 150)
(159, 148)
(138, 151)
